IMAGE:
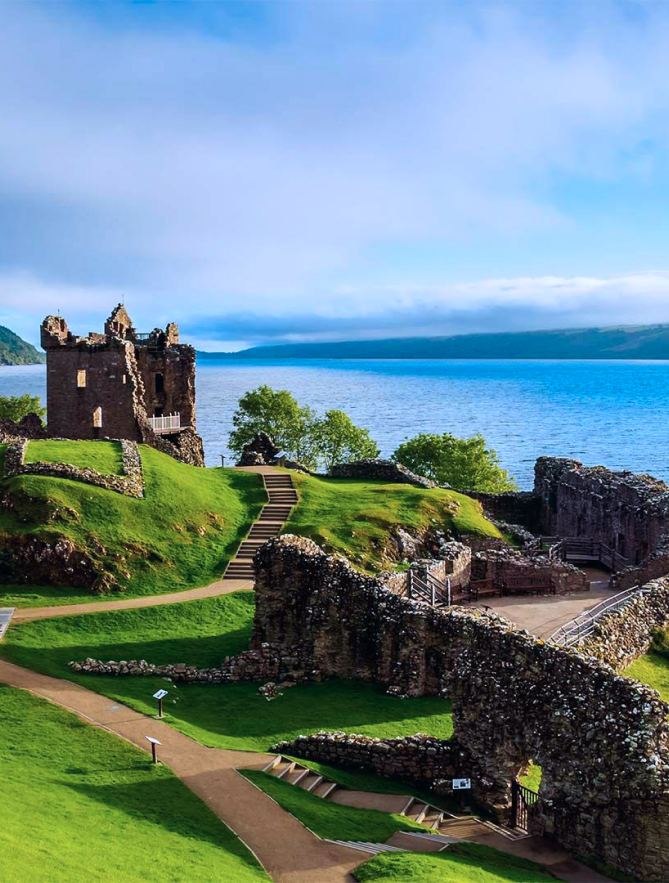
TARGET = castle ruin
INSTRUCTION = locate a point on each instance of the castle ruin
(122, 384)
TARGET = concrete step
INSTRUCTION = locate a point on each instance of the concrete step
(325, 789)
(295, 776)
(308, 783)
(416, 811)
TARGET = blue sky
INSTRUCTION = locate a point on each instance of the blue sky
(269, 171)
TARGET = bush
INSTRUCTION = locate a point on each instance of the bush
(463, 463)
(17, 407)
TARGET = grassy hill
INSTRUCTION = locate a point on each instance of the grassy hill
(181, 535)
(359, 518)
(630, 342)
(15, 351)
(82, 806)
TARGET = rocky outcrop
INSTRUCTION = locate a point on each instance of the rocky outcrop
(131, 483)
(54, 561)
(29, 426)
(379, 470)
(260, 451)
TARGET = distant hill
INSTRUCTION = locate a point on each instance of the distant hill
(632, 342)
(14, 351)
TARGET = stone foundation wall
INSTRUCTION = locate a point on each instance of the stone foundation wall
(131, 483)
(420, 759)
(504, 565)
(601, 739)
(627, 512)
(379, 470)
(624, 635)
(522, 508)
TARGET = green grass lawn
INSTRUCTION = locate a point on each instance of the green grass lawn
(330, 820)
(355, 517)
(180, 536)
(103, 456)
(82, 806)
(651, 669)
(460, 863)
(226, 716)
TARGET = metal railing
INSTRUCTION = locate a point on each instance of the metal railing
(169, 423)
(431, 590)
(576, 549)
(572, 633)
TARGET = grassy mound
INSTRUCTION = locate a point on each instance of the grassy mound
(652, 669)
(181, 535)
(330, 820)
(228, 716)
(82, 806)
(356, 517)
(460, 863)
(102, 456)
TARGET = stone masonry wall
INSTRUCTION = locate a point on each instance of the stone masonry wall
(504, 565)
(627, 512)
(624, 635)
(601, 739)
(379, 470)
(131, 483)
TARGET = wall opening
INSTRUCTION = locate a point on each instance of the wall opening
(81, 378)
(97, 418)
(160, 383)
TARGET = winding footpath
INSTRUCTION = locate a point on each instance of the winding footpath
(288, 851)
(281, 497)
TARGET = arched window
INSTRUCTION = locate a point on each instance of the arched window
(97, 418)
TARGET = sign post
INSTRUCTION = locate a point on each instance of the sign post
(462, 784)
(160, 695)
(153, 742)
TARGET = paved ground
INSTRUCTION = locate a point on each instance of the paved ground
(220, 587)
(543, 614)
(289, 852)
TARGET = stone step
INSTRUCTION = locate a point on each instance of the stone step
(295, 776)
(325, 789)
(308, 783)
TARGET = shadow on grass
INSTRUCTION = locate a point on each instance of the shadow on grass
(168, 804)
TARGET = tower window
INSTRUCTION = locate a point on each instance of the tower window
(97, 418)
(81, 378)
(160, 383)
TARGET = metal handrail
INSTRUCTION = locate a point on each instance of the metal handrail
(581, 626)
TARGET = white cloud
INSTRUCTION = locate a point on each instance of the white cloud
(208, 176)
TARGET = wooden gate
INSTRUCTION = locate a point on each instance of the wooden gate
(523, 803)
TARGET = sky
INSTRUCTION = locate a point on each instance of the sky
(268, 172)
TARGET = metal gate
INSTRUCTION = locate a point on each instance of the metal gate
(523, 803)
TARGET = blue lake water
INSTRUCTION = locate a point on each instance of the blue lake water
(610, 413)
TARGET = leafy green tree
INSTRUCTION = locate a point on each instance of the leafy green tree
(338, 440)
(464, 463)
(16, 407)
(277, 413)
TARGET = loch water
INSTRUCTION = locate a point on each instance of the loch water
(611, 413)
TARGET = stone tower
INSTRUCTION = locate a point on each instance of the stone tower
(121, 384)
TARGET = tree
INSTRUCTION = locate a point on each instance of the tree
(464, 463)
(277, 413)
(17, 407)
(338, 440)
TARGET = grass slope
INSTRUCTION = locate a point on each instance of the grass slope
(180, 536)
(228, 716)
(355, 517)
(102, 456)
(652, 669)
(460, 863)
(81, 806)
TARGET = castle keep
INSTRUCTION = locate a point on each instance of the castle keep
(122, 384)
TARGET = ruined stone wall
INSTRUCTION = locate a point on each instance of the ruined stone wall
(627, 512)
(109, 386)
(379, 470)
(507, 565)
(624, 635)
(521, 508)
(131, 483)
(419, 759)
(601, 739)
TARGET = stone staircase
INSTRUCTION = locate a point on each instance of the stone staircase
(281, 499)
(445, 825)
